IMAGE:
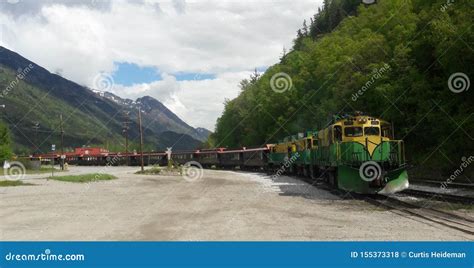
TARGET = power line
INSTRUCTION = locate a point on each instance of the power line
(35, 127)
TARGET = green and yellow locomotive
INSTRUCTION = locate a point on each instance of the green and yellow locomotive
(354, 153)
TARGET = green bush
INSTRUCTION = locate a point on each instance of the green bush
(5, 143)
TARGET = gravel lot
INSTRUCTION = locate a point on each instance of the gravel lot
(222, 205)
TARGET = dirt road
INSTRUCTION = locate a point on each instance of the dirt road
(222, 205)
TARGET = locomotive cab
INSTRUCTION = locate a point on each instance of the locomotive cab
(362, 154)
(364, 130)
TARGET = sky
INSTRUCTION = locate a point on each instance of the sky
(190, 55)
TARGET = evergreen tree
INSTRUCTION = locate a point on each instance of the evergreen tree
(5, 143)
(305, 29)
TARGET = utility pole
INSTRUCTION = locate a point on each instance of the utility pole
(125, 133)
(141, 136)
(62, 133)
(36, 126)
(61, 161)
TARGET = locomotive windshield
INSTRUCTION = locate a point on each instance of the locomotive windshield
(353, 131)
(371, 131)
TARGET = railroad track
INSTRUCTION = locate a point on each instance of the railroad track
(466, 200)
(409, 210)
(439, 183)
(440, 196)
(447, 219)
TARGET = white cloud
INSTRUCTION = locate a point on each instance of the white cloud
(227, 38)
(162, 90)
(191, 100)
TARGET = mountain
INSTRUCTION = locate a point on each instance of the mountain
(157, 116)
(34, 99)
(203, 133)
(157, 112)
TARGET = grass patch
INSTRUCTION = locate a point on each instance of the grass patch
(84, 178)
(165, 171)
(150, 171)
(7, 183)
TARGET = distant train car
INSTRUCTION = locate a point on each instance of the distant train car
(231, 159)
(256, 158)
(208, 157)
(182, 158)
(159, 158)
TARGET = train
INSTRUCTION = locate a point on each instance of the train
(355, 153)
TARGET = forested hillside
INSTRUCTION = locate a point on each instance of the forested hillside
(393, 60)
